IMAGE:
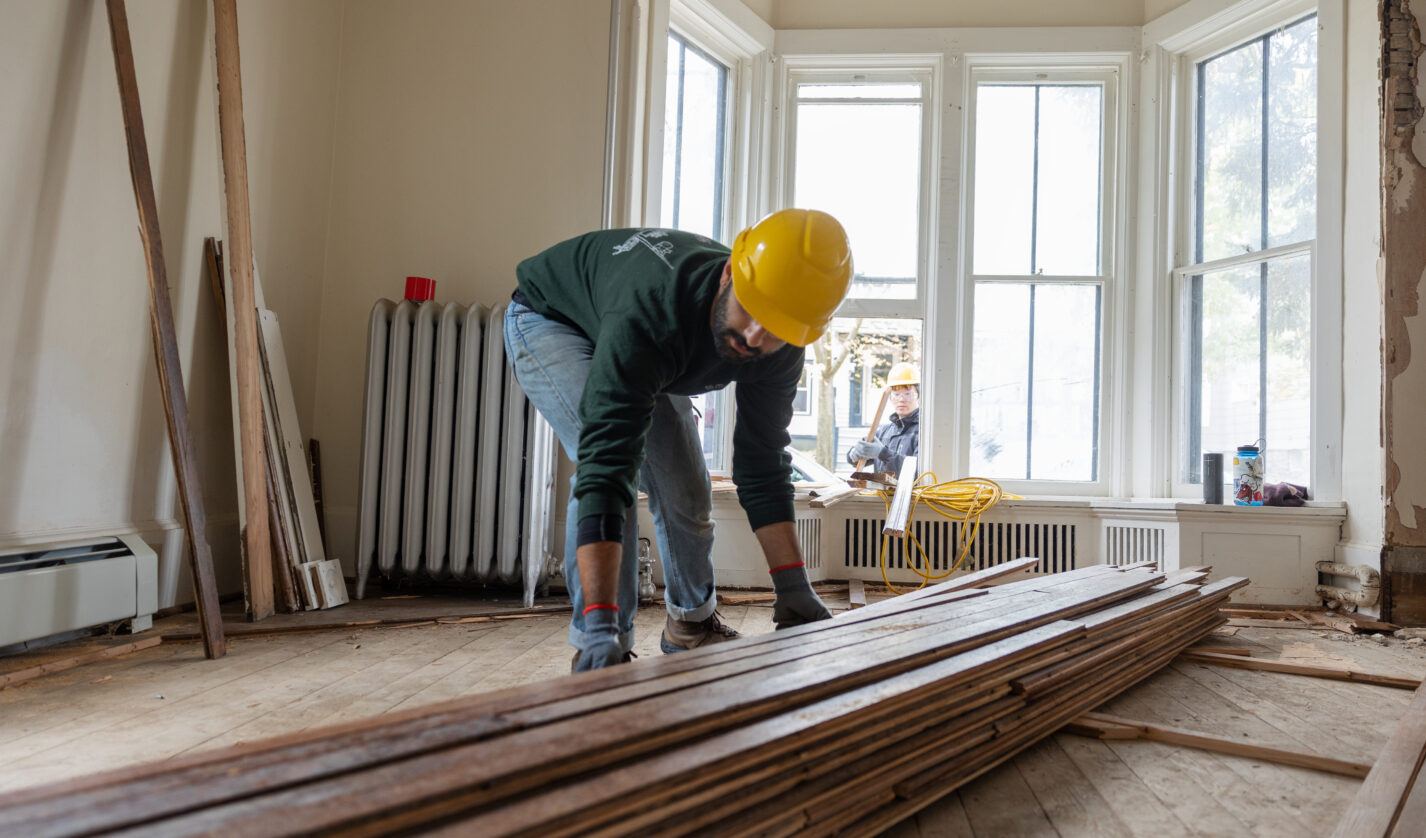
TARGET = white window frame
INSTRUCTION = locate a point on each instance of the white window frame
(1113, 191)
(925, 68)
(1174, 44)
(878, 69)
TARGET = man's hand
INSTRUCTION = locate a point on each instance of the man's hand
(797, 603)
(601, 633)
(866, 450)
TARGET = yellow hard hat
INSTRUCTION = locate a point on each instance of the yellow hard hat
(902, 373)
(791, 271)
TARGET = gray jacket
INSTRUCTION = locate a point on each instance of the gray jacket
(900, 438)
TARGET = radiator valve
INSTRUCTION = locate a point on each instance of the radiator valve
(647, 592)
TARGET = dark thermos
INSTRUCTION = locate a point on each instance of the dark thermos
(1213, 478)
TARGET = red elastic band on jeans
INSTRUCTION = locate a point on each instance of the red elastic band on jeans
(599, 606)
(792, 566)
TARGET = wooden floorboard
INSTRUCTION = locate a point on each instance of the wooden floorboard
(1124, 793)
(412, 673)
(1248, 790)
(107, 714)
(946, 818)
(1072, 803)
(1002, 804)
(1203, 711)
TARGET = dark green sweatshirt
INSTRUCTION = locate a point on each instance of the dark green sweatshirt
(644, 297)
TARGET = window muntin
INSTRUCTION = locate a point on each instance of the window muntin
(1245, 303)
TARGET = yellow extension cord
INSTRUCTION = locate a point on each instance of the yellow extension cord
(962, 501)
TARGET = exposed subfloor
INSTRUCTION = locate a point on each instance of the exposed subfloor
(167, 700)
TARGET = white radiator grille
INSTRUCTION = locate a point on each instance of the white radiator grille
(994, 544)
(809, 535)
(457, 472)
(1126, 545)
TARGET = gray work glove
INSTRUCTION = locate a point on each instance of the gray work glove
(797, 603)
(865, 450)
(601, 626)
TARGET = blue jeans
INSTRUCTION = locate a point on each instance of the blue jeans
(551, 361)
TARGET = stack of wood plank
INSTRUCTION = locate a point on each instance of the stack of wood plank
(840, 727)
(302, 575)
(1392, 800)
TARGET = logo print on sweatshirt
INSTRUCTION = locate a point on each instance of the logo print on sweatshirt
(645, 238)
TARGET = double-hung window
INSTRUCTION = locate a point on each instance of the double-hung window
(1244, 279)
(695, 187)
(1039, 257)
(858, 146)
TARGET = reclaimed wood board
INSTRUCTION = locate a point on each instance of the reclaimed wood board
(845, 725)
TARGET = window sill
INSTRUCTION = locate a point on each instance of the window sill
(1127, 507)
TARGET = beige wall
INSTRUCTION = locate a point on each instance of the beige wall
(862, 14)
(82, 440)
(469, 136)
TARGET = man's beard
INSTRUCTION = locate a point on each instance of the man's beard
(723, 335)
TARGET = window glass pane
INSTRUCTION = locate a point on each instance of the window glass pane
(847, 371)
(802, 402)
(711, 408)
(694, 134)
(1289, 373)
(1004, 178)
(1068, 179)
(862, 164)
(1292, 134)
(1038, 166)
(1034, 382)
(1230, 152)
(1249, 364)
(1000, 369)
(910, 90)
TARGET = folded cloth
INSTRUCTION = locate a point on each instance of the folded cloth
(1285, 494)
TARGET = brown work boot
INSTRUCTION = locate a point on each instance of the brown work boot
(682, 635)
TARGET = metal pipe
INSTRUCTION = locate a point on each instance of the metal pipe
(1369, 578)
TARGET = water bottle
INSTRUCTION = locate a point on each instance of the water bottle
(1248, 476)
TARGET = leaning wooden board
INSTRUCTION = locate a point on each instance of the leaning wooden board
(321, 578)
(165, 340)
(845, 725)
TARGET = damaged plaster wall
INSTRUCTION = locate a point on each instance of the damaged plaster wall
(1404, 271)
